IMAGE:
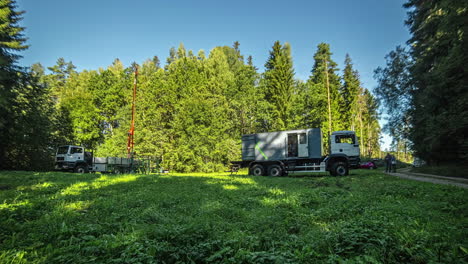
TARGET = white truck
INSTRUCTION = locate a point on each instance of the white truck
(76, 159)
(298, 152)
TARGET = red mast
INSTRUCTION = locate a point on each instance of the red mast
(131, 132)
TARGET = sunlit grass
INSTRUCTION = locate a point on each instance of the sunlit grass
(223, 218)
(78, 206)
(101, 182)
(230, 187)
(14, 205)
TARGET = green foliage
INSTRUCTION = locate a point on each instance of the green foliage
(438, 42)
(349, 95)
(279, 85)
(322, 95)
(24, 100)
(192, 113)
(394, 92)
(366, 217)
(429, 81)
(12, 38)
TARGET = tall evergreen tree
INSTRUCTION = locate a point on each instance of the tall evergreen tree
(279, 84)
(349, 95)
(440, 76)
(323, 95)
(20, 111)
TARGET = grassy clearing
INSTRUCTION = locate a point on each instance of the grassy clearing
(216, 218)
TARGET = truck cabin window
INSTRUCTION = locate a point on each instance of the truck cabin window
(344, 139)
(76, 150)
(62, 150)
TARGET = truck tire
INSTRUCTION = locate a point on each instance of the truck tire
(275, 171)
(257, 170)
(81, 169)
(339, 169)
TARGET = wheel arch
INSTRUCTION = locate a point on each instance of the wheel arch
(334, 158)
(266, 164)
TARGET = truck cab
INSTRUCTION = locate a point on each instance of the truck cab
(73, 158)
(346, 142)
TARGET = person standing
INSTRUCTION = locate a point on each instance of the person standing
(393, 161)
(388, 161)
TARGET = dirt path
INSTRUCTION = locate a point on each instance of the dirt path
(406, 174)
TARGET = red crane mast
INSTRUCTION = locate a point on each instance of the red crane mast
(131, 132)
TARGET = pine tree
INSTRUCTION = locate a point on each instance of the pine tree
(323, 96)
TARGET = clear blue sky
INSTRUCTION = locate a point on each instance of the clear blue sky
(92, 33)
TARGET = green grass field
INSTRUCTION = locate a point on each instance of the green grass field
(366, 217)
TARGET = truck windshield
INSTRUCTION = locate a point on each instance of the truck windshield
(62, 150)
(345, 139)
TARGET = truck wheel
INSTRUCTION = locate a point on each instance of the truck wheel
(339, 169)
(81, 169)
(275, 171)
(258, 170)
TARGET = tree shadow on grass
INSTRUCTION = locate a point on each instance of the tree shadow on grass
(201, 218)
(175, 212)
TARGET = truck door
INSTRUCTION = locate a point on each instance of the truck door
(76, 153)
(297, 145)
(346, 144)
(292, 145)
(303, 145)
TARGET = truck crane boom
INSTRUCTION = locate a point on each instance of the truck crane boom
(131, 132)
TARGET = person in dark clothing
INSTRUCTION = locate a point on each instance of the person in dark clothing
(388, 162)
(393, 164)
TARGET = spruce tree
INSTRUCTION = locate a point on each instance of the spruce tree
(349, 94)
(17, 90)
(279, 84)
(439, 115)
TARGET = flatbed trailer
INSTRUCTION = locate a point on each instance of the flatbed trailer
(76, 159)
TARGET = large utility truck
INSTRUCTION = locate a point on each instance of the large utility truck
(299, 152)
(76, 159)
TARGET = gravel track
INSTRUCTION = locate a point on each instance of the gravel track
(405, 174)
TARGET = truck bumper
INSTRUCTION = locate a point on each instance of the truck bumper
(64, 165)
(354, 161)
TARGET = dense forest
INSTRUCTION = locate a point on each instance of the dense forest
(193, 108)
(424, 85)
(192, 111)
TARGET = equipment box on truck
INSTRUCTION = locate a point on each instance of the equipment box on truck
(298, 151)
